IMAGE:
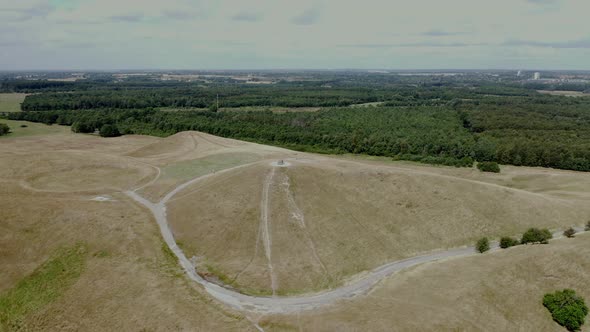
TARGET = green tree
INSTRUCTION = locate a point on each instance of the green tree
(535, 235)
(507, 242)
(4, 129)
(566, 308)
(109, 130)
(82, 127)
(482, 245)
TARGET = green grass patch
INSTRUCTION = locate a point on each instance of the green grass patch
(10, 102)
(42, 287)
(170, 264)
(202, 166)
(32, 129)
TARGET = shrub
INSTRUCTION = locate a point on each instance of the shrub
(587, 228)
(488, 166)
(535, 235)
(507, 242)
(570, 232)
(109, 130)
(566, 308)
(82, 127)
(23, 126)
(482, 245)
(4, 129)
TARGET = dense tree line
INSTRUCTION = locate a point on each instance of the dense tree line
(439, 124)
(437, 135)
(144, 95)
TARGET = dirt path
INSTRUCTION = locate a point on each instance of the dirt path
(275, 304)
(265, 228)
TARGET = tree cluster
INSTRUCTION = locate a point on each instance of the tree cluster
(567, 308)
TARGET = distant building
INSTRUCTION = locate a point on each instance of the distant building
(519, 73)
(537, 76)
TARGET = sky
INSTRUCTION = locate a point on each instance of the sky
(288, 34)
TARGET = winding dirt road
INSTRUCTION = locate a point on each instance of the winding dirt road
(275, 304)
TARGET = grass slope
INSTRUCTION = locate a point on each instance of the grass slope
(32, 129)
(45, 285)
(10, 102)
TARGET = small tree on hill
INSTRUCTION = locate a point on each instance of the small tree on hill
(482, 245)
(488, 166)
(109, 130)
(566, 308)
(535, 235)
(570, 232)
(507, 242)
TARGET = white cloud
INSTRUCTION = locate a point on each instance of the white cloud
(288, 34)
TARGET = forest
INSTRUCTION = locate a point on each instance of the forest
(450, 123)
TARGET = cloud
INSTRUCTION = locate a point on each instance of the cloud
(247, 17)
(177, 15)
(128, 18)
(543, 2)
(308, 17)
(440, 33)
(25, 14)
(416, 44)
(580, 43)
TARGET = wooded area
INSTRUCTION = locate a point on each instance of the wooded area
(452, 123)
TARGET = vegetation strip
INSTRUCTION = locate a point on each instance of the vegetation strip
(42, 287)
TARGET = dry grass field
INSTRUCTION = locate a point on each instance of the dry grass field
(332, 219)
(500, 291)
(314, 224)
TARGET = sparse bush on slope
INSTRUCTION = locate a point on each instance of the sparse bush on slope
(570, 232)
(482, 245)
(535, 235)
(507, 242)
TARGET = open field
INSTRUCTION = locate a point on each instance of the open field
(32, 129)
(10, 102)
(311, 224)
(128, 281)
(335, 219)
(564, 93)
(495, 291)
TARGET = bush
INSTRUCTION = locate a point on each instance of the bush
(23, 126)
(566, 308)
(488, 166)
(507, 242)
(570, 232)
(4, 129)
(109, 130)
(535, 235)
(482, 245)
(587, 228)
(82, 127)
